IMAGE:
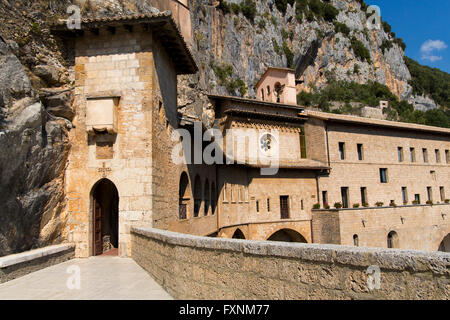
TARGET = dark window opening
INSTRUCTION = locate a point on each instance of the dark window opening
(344, 194)
(284, 207)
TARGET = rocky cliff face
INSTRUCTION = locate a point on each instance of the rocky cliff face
(250, 47)
(35, 114)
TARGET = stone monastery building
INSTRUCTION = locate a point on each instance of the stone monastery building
(339, 179)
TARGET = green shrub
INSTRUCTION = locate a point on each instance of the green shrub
(276, 47)
(248, 8)
(429, 202)
(262, 24)
(356, 68)
(274, 21)
(342, 28)
(360, 50)
(386, 45)
(365, 205)
(400, 43)
(282, 5)
(338, 205)
(379, 204)
(326, 206)
(289, 55)
(284, 34)
(316, 206)
(356, 205)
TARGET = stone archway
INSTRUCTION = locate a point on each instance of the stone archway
(238, 234)
(105, 217)
(445, 244)
(287, 235)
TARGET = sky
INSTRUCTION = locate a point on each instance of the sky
(424, 25)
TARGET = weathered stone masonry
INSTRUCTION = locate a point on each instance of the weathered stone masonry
(191, 267)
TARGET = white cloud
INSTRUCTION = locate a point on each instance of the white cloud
(429, 46)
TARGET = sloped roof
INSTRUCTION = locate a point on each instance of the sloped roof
(161, 24)
(374, 122)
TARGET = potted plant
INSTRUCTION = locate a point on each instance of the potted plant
(429, 202)
(379, 204)
(316, 206)
(393, 204)
(338, 205)
(365, 205)
(415, 202)
(447, 200)
(356, 205)
(405, 203)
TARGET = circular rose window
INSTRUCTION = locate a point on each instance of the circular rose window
(267, 143)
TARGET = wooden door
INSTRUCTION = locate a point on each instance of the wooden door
(284, 207)
(98, 243)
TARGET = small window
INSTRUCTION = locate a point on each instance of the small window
(412, 152)
(360, 151)
(342, 150)
(383, 175)
(438, 155)
(355, 240)
(425, 155)
(417, 198)
(430, 193)
(262, 94)
(324, 198)
(447, 156)
(392, 240)
(344, 195)
(363, 196)
(301, 205)
(442, 193)
(433, 175)
(257, 205)
(268, 90)
(400, 154)
(405, 195)
(302, 143)
(268, 205)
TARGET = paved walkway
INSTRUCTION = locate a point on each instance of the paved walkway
(102, 278)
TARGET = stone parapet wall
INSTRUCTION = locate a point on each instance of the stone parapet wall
(192, 267)
(18, 265)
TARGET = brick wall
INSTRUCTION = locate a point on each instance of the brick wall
(191, 267)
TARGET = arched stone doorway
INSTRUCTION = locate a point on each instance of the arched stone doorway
(445, 244)
(238, 234)
(105, 217)
(287, 235)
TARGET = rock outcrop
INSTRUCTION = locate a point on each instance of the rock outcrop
(34, 144)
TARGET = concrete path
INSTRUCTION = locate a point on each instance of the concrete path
(101, 278)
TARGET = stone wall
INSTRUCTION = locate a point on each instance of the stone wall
(18, 265)
(422, 227)
(191, 267)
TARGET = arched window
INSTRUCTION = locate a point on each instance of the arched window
(206, 197)
(268, 90)
(184, 196)
(355, 240)
(197, 195)
(392, 240)
(262, 94)
(213, 198)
